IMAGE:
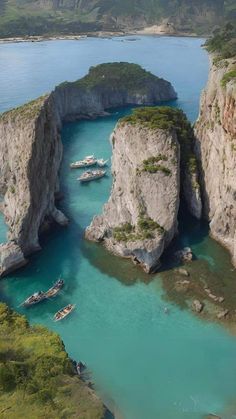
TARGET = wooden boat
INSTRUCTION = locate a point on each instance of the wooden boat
(35, 298)
(102, 162)
(88, 161)
(61, 314)
(91, 175)
(54, 290)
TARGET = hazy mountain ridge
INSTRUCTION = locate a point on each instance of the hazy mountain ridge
(22, 17)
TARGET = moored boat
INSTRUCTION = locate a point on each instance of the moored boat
(102, 162)
(88, 161)
(91, 175)
(61, 314)
(54, 290)
(35, 298)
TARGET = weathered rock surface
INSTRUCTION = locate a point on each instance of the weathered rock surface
(222, 314)
(197, 306)
(192, 192)
(11, 258)
(216, 149)
(184, 255)
(31, 148)
(138, 195)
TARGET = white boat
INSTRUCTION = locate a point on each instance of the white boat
(102, 162)
(87, 162)
(61, 314)
(92, 175)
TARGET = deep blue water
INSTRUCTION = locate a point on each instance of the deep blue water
(144, 363)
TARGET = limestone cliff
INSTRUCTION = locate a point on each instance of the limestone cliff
(31, 148)
(216, 148)
(140, 219)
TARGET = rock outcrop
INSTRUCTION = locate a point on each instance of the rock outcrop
(216, 149)
(31, 148)
(140, 219)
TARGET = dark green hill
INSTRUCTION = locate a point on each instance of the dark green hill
(29, 17)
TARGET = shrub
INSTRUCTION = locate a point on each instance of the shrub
(228, 77)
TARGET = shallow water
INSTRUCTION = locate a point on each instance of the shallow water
(145, 364)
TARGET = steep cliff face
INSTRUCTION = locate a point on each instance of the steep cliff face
(31, 148)
(140, 218)
(30, 155)
(216, 149)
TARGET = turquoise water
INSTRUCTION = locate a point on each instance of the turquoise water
(3, 230)
(144, 363)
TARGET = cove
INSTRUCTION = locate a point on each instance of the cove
(143, 362)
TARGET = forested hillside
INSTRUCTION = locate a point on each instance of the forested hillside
(29, 17)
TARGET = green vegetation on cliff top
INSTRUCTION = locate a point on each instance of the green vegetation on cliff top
(167, 118)
(144, 230)
(123, 75)
(28, 111)
(36, 375)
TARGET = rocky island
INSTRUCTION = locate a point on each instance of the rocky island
(31, 148)
(153, 168)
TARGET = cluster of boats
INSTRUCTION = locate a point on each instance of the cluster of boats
(39, 296)
(89, 161)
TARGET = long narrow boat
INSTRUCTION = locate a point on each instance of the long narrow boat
(86, 162)
(92, 175)
(61, 314)
(54, 290)
(35, 298)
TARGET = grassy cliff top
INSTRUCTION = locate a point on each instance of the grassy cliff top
(121, 74)
(27, 111)
(157, 117)
(167, 118)
(36, 374)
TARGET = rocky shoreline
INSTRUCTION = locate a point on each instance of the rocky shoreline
(157, 30)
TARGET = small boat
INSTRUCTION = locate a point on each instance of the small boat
(61, 314)
(35, 298)
(91, 175)
(54, 290)
(87, 162)
(102, 162)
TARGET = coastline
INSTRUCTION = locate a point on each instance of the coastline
(149, 31)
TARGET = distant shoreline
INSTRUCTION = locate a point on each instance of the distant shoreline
(154, 30)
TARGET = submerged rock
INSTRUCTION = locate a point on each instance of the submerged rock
(197, 306)
(184, 255)
(183, 272)
(222, 314)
